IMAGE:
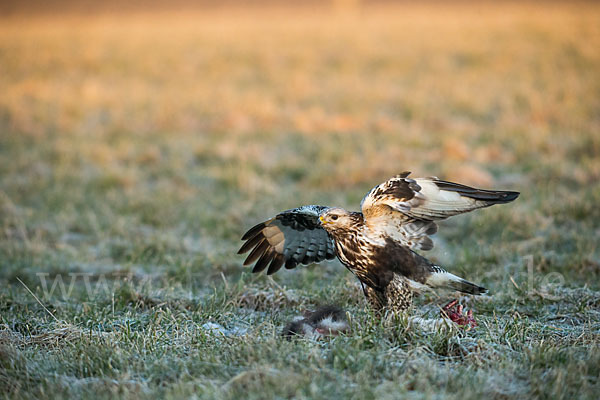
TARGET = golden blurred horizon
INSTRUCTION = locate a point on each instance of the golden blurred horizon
(61, 8)
(482, 87)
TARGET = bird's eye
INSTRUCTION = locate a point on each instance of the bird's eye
(334, 217)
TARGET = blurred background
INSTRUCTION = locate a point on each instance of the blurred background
(140, 139)
(152, 134)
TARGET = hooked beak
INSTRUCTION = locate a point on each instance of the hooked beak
(323, 222)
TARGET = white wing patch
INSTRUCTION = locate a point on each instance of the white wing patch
(433, 203)
(404, 209)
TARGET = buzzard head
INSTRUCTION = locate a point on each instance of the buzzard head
(337, 219)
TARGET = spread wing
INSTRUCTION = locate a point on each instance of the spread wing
(291, 237)
(405, 208)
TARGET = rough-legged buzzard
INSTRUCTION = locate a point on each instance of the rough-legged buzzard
(376, 244)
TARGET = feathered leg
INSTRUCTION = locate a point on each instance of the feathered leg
(375, 298)
(398, 294)
(396, 297)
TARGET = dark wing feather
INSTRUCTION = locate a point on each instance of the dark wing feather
(405, 208)
(491, 196)
(293, 237)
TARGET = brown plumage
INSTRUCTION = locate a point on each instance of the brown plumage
(376, 244)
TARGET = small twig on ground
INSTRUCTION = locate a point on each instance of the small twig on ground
(38, 300)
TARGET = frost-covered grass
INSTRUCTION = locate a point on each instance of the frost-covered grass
(135, 151)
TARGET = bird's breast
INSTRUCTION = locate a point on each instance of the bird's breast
(356, 252)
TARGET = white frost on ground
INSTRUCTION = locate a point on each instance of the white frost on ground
(431, 324)
(219, 330)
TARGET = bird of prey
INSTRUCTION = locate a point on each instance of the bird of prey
(376, 244)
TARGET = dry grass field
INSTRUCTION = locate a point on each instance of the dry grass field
(137, 147)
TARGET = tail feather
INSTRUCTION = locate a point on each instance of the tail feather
(466, 287)
(444, 279)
